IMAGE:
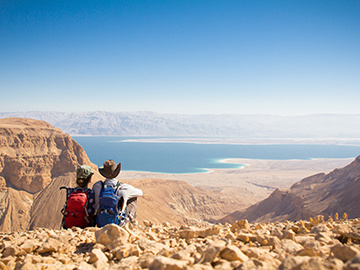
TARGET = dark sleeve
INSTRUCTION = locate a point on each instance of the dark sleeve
(91, 206)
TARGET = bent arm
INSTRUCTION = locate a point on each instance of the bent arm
(128, 192)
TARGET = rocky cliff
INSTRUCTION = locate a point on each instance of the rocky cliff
(35, 160)
(325, 194)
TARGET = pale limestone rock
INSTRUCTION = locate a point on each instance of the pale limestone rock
(304, 240)
(248, 265)
(82, 266)
(34, 259)
(353, 264)
(7, 259)
(277, 231)
(5, 244)
(147, 223)
(145, 260)
(259, 226)
(222, 264)
(214, 230)
(267, 240)
(206, 266)
(183, 255)
(64, 259)
(260, 254)
(307, 251)
(48, 260)
(30, 245)
(212, 251)
(255, 264)
(150, 246)
(344, 252)
(288, 234)
(233, 253)
(126, 251)
(231, 236)
(111, 236)
(287, 246)
(348, 231)
(316, 263)
(320, 228)
(25, 266)
(326, 238)
(13, 251)
(292, 262)
(129, 263)
(97, 255)
(164, 263)
(246, 237)
(240, 224)
(50, 245)
(187, 233)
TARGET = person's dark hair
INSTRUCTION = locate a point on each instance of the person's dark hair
(81, 182)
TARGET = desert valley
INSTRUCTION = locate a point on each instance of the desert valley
(268, 215)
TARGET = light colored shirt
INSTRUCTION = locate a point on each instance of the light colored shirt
(125, 190)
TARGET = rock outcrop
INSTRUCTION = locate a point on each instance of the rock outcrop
(312, 245)
(325, 194)
(35, 160)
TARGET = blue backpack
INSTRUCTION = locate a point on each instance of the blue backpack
(109, 211)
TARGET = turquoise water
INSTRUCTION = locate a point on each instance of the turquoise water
(178, 158)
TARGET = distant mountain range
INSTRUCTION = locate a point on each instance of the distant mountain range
(216, 125)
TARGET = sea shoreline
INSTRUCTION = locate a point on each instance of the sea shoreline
(259, 178)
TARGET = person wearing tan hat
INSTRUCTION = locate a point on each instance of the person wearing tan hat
(127, 194)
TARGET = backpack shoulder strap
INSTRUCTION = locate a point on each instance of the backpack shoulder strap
(102, 185)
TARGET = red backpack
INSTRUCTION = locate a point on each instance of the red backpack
(75, 208)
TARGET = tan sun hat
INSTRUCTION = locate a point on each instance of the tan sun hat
(110, 169)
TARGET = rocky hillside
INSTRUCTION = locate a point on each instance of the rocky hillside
(157, 124)
(180, 203)
(312, 245)
(326, 194)
(36, 159)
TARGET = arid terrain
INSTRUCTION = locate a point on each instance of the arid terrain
(36, 159)
(312, 244)
(298, 212)
(256, 181)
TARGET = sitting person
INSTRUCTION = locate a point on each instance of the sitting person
(79, 208)
(114, 201)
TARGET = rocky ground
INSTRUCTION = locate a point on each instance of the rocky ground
(313, 244)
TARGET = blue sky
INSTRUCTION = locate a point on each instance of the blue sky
(196, 57)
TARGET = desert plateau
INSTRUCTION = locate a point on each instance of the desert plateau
(270, 214)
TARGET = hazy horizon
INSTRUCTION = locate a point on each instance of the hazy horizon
(283, 58)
